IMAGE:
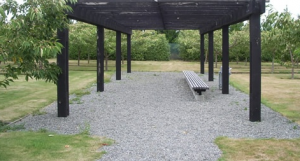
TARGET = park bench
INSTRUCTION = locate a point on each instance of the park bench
(196, 84)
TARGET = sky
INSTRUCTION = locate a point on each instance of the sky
(292, 5)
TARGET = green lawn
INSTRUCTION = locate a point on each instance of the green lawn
(259, 149)
(279, 92)
(22, 98)
(33, 146)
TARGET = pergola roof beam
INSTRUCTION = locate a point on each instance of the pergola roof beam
(84, 15)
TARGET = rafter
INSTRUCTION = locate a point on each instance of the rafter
(127, 15)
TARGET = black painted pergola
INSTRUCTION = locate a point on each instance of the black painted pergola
(123, 16)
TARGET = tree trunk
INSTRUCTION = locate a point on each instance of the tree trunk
(216, 60)
(246, 61)
(292, 61)
(89, 58)
(205, 57)
(122, 58)
(272, 70)
(237, 60)
(106, 61)
(78, 64)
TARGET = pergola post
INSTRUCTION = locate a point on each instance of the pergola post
(128, 53)
(100, 59)
(211, 56)
(202, 56)
(63, 78)
(255, 68)
(118, 55)
(225, 60)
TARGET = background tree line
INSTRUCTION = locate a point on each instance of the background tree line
(146, 45)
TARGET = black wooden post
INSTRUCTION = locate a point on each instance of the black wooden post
(211, 56)
(225, 61)
(128, 53)
(100, 59)
(202, 56)
(118, 57)
(255, 68)
(63, 78)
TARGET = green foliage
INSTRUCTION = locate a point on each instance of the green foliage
(289, 33)
(110, 44)
(218, 44)
(28, 38)
(269, 20)
(189, 44)
(148, 45)
(83, 39)
(239, 47)
(236, 27)
(171, 35)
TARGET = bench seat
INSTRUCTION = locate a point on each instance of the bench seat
(195, 82)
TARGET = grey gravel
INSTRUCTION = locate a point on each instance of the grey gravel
(153, 116)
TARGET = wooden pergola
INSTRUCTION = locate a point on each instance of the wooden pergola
(123, 16)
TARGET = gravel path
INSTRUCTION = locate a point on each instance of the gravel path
(153, 116)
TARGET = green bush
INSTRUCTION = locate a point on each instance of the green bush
(148, 45)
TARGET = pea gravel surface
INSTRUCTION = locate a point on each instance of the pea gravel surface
(153, 116)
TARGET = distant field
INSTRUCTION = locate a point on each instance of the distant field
(178, 65)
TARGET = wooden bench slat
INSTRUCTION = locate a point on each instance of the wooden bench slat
(195, 82)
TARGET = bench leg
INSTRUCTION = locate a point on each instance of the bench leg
(199, 92)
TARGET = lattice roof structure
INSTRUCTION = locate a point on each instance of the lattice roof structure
(128, 15)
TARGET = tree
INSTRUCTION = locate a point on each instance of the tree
(239, 44)
(289, 30)
(269, 20)
(270, 38)
(217, 45)
(109, 45)
(270, 47)
(83, 38)
(28, 38)
(236, 27)
(171, 35)
(189, 44)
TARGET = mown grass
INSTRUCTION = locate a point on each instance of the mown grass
(259, 149)
(279, 92)
(22, 98)
(32, 146)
